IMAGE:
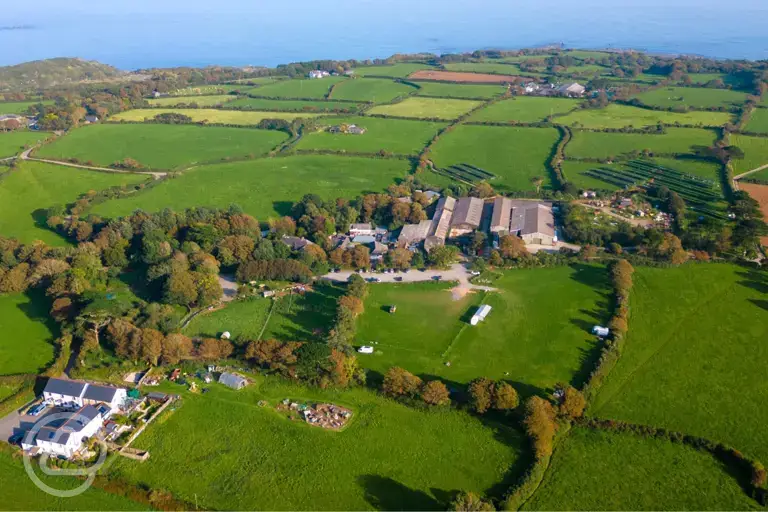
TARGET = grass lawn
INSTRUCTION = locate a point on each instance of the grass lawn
(524, 109)
(514, 155)
(755, 152)
(461, 91)
(202, 101)
(536, 335)
(395, 135)
(209, 115)
(598, 470)
(432, 108)
(12, 143)
(400, 70)
(758, 122)
(691, 97)
(295, 105)
(620, 116)
(376, 90)
(266, 187)
(390, 457)
(484, 67)
(298, 88)
(28, 190)
(28, 331)
(695, 357)
(19, 107)
(161, 146)
(586, 144)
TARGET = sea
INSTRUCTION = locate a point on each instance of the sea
(164, 33)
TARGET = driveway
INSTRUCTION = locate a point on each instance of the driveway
(17, 422)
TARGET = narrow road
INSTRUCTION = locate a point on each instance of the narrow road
(457, 272)
(155, 174)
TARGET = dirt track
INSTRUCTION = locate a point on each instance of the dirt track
(470, 78)
(760, 194)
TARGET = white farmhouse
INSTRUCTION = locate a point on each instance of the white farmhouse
(68, 439)
(77, 393)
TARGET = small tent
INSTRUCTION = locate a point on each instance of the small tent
(232, 380)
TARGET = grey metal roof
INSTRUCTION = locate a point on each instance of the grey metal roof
(539, 219)
(412, 233)
(441, 221)
(100, 393)
(468, 211)
(232, 380)
(502, 211)
(53, 435)
(65, 387)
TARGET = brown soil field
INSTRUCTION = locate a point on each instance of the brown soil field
(470, 78)
(760, 194)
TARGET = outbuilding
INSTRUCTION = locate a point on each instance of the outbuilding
(480, 314)
(232, 380)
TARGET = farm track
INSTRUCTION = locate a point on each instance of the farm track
(758, 169)
(155, 174)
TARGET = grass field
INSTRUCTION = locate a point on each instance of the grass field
(395, 135)
(32, 187)
(209, 115)
(461, 91)
(400, 70)
(207, 89)
(376, 90)
(691, 97)
(295, 105)
(536, 335)
(202, 101)
(28, 331)
(574, 173)
(297, 88)
(755, 152)
(620, 116)
(524, 109)
(390, 457)
(758, 122)
(19, 107)
(598, 470)
(266, 187)
(161, 146)
(514, 155)
(484, 67)
(12, 143)
(695, 356)
(586, 144)
(701, 168)
(432, 108)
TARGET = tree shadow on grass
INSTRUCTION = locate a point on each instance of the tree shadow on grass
(282, 208)
(755, 280)
(384, 493)
(760, 303)
(38, 310)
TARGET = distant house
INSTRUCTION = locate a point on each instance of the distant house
(296, 243)
(349, 72)
(350, 129)
(232, 380)
(361, 229)
(318, 73)
(466, 216)
(572, 90)
(91, 119)
(531, 87)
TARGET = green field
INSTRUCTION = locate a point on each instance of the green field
(12, 143)
(524, 109)
(19, 107)
(574, 173)
(394, 135)
(28, 331)
(691, 97)
(209, 115)
(32, 187)
(695, 356)
(202, 90)
(484, 67)
(160, 146)
(264, 188)
(620, 116)
(202, 101)
(524, 155)
(298, 88)
(427, 108)
(755, 152)
(586, 144)
(536, 335)
(598, 470)
(294, 105)
(376, 90)
(390, 457)
(758, 121)
(701, 168)
(461, 91)
(400, 70)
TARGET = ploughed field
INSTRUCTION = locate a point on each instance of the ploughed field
(470, 78)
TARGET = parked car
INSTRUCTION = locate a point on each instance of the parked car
(35, 410)
(16, 438)
(398, 278)
(437, 278)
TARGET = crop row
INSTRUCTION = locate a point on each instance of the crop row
(474, 171)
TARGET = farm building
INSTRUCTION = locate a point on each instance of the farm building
(91, 119)
(67, 439)
(533, 222)
(414, 233)
(441, 221)
(480, 314)
(502, 211)
(361, 229)
(296, 243)
(572, 90)
(466, 216)
(232, 380)
(63, 391)
(318, 73)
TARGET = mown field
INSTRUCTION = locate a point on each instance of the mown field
(524, 109)
(598, 470)
(160, 146)
(207, 89)
(525, 153)
(695, 357)
(394, 135)
(586, 144)
(375, 90)
(264, 188)
(549, 312)
(20, 107)
(400, 70)
(297, 88)
(390, 457)
(758, 122)
(621, 116)
(691, 97)
(574, 172)
(427, 108)
(461, 91)
(484, 67)
(28, 332)
(12, 143)
(202, 101)
(209, 115)
(33, 187)
(295, 105)
(755, 152)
